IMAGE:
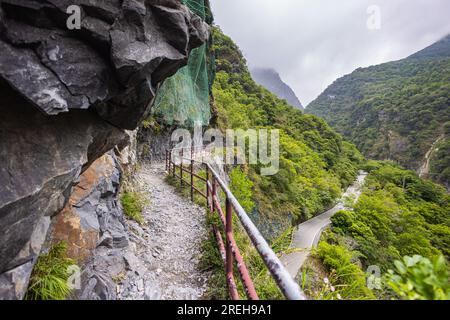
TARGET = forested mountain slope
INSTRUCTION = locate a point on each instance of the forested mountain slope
(396, 110)
(315, 162)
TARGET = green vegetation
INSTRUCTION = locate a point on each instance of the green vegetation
(49, 279)
(397, 215)
(133, 204)
(396, 110)
(315, 163)
(241, 187)
(418, 278)
(347, 277)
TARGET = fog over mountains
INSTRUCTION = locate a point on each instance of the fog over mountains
(270, 79)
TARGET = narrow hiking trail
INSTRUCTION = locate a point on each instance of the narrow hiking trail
(307, 235)
(168, 247)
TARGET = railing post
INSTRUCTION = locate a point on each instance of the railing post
(207, 187)
(173, 164)
(192, 180)
(167, 157)
(181, 168)
(229, 261)
(214, 192)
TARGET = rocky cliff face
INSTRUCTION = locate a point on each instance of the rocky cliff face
(66, 98)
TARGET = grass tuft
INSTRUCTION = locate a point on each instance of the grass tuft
(133, 204)
(49, 279)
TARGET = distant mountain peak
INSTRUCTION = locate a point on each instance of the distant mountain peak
(271, 80)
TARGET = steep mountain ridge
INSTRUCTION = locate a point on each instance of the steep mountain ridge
(436, 50)
(271, 80)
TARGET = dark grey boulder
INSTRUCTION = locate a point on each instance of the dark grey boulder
(97, 275)
(14, 283)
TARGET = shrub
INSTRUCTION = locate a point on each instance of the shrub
(419, 278)
(371, 165)
(49, 279)
(426, 190)
(241, 187)
(342, 221)
(347, 276)
(440, 238)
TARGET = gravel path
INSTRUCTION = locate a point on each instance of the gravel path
(168, 249)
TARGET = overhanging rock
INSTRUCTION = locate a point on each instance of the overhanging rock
(67, 96)
(114, 63)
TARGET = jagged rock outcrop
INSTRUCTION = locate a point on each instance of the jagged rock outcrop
(152, 145)
(67, 97)
(127, 154)
(93, 216)
(94, 228)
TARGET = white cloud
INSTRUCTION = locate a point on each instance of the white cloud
(311, 43)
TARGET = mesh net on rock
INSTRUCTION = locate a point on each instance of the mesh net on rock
(183, 99)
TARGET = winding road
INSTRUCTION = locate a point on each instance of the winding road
(307, 235)
(424, 170)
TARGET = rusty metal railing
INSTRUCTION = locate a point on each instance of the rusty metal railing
(229, 250)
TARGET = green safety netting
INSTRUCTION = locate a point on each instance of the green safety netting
(183, 99)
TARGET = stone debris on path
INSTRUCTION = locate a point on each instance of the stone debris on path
(163, 262)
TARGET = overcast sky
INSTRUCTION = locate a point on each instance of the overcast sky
(311, 43)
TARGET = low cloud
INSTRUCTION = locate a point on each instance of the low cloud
(311, 43)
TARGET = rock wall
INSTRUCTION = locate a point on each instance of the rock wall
(66, 98)
(93, 216)
(152, 144)
(93, 225)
